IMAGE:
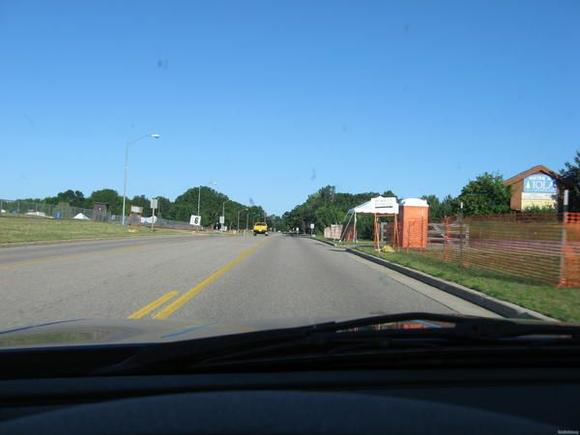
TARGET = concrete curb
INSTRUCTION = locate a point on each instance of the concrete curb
(326, 242)
(503, 308)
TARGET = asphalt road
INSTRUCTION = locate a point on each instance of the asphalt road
(228, 279)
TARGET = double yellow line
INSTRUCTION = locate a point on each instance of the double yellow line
(153, 305)
(192, 292)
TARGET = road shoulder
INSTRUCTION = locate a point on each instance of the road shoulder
(489, 303)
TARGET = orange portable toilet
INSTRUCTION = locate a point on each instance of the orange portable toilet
(413, 223)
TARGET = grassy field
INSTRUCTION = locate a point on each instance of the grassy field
(559, 303)
(31, 229)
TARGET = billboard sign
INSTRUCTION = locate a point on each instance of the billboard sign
(387, 205)
(540, 183)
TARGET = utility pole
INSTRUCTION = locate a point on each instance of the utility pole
(154, 136)
(223, 215)
(238, 228)
(198, 198)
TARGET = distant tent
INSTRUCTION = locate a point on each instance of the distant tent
(37, 213)
(81, 217)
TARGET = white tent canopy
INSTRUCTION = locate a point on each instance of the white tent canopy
(81, 217)
(379, 205)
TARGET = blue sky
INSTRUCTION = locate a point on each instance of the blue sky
(274, 99)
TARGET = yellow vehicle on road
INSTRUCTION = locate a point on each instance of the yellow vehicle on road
(260, 228)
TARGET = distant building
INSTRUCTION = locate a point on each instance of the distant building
(100, 211)
(536, 187)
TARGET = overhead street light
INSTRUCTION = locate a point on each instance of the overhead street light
(131, 142)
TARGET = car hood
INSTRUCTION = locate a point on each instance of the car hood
(106, 331)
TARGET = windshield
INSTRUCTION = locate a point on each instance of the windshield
(172, 170)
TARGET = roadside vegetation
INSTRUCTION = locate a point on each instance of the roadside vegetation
(33, 229)
(212, 204)
(559, 303)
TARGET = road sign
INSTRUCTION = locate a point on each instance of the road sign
(153, 203)
(311, 226)
(195, 220)
(222, 220)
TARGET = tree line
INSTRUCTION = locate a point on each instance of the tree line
(212, 203)
(484, 195)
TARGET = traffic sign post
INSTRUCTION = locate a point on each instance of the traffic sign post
(153, 204)
(195, 220)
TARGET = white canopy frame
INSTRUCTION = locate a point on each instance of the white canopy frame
(379, 206)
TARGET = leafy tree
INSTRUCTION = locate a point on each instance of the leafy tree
(74, 198)
(276, 222)
(449, 206)
(212, 205)
(485, 195)
(570, 179)
(165, 208)
(440, 209)
(326, 207)
(140, 201)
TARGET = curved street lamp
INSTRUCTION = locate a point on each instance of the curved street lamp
(131, 142)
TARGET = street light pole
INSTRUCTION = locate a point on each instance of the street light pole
(152, 135)
(198, 198)
(239, 218)
(125, 182)
(224, 213)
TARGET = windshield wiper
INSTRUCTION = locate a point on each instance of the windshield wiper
(375, 332)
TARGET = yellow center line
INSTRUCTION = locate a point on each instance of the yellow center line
(153, 305)
(194, 291)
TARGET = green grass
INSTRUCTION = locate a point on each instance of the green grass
(349, 244)
(559, 303)
(32, 229)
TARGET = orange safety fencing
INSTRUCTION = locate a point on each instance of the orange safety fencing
(543, 248)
